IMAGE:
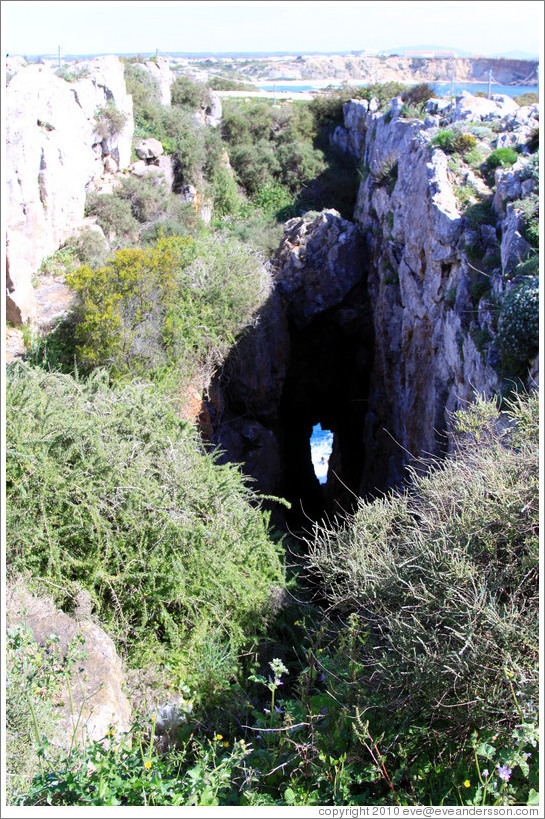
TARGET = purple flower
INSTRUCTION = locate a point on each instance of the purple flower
(278, 710)
(504, 772)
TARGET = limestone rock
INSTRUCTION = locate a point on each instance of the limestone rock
(160, 71)
(53, 153)
(96, 682)
(318, 262)
(149, 148)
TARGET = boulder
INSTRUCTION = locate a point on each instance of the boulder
(149, 148)
(96, 682)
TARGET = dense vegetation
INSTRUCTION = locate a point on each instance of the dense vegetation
(403, 668)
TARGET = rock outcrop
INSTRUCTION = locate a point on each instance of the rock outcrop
(96, 680)
(60, 136)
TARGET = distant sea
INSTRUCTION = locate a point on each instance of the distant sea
(443, 89)
(321, 443)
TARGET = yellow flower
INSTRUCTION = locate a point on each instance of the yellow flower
(218, 736)
(467, 783)
(225, 744)
(147, 764)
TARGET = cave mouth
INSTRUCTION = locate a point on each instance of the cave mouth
(326, 384)
(321, 446)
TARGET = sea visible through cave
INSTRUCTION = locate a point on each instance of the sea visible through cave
(321, 444)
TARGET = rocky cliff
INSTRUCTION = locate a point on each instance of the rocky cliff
(381, 328)
(407, 69)
(60, 137)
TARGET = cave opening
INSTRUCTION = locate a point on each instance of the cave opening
(326, 385)
(321, 445)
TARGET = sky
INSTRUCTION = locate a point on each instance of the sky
(80, 27)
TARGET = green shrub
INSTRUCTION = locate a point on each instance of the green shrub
(107, 489)
(175, 307)
(501, 158)
(148, 197)
(528, 98)
(225, 195)
(529, 208)
(451, 141)
(518, 323)
(110, 121)
(528, 268)
(89, 247)
(113, 214)
(444, 577)
(188, 94)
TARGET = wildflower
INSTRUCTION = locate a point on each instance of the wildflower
(225, 744)
(467, 783)
(504, 772)
(147, 764)
(297, 623)
(218, 736)
(486, 773)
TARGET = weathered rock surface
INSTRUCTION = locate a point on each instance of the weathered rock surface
(97, 682)
(55, 147)
(318, 262)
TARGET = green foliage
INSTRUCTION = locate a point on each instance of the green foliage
(131, 772)
(109, 120)
(453, 142)
(501, 158)
(148, 197)
(529, 208)
(518, 323)
(88, 246)
(33, 691)
(108, 489)
(113, 214)
(60, 262)
(445, 577)
(188, 94)
(528, 98)
(528, 268)
(224, 84)
(72, 73)
(173, 307)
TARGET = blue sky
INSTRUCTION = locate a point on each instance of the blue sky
(81, 27)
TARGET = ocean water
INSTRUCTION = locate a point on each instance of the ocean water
(443, 89)
(321, 444)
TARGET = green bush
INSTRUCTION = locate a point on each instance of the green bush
(148, 197)
(529, 208)
(113, 214)
(107, 489)
(529, 98)
(453, 142)
(445, 578)
(188, 94)
(174, 308)
(501, 158)
(518, 323)
(89, 247)
(109, 120)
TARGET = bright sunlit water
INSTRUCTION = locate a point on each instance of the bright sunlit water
(443, 89)
(321, 444)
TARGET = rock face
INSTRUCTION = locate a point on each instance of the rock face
(96, 682)
(301, 364)
(430, 323)
(381, 328)
(59, 135)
